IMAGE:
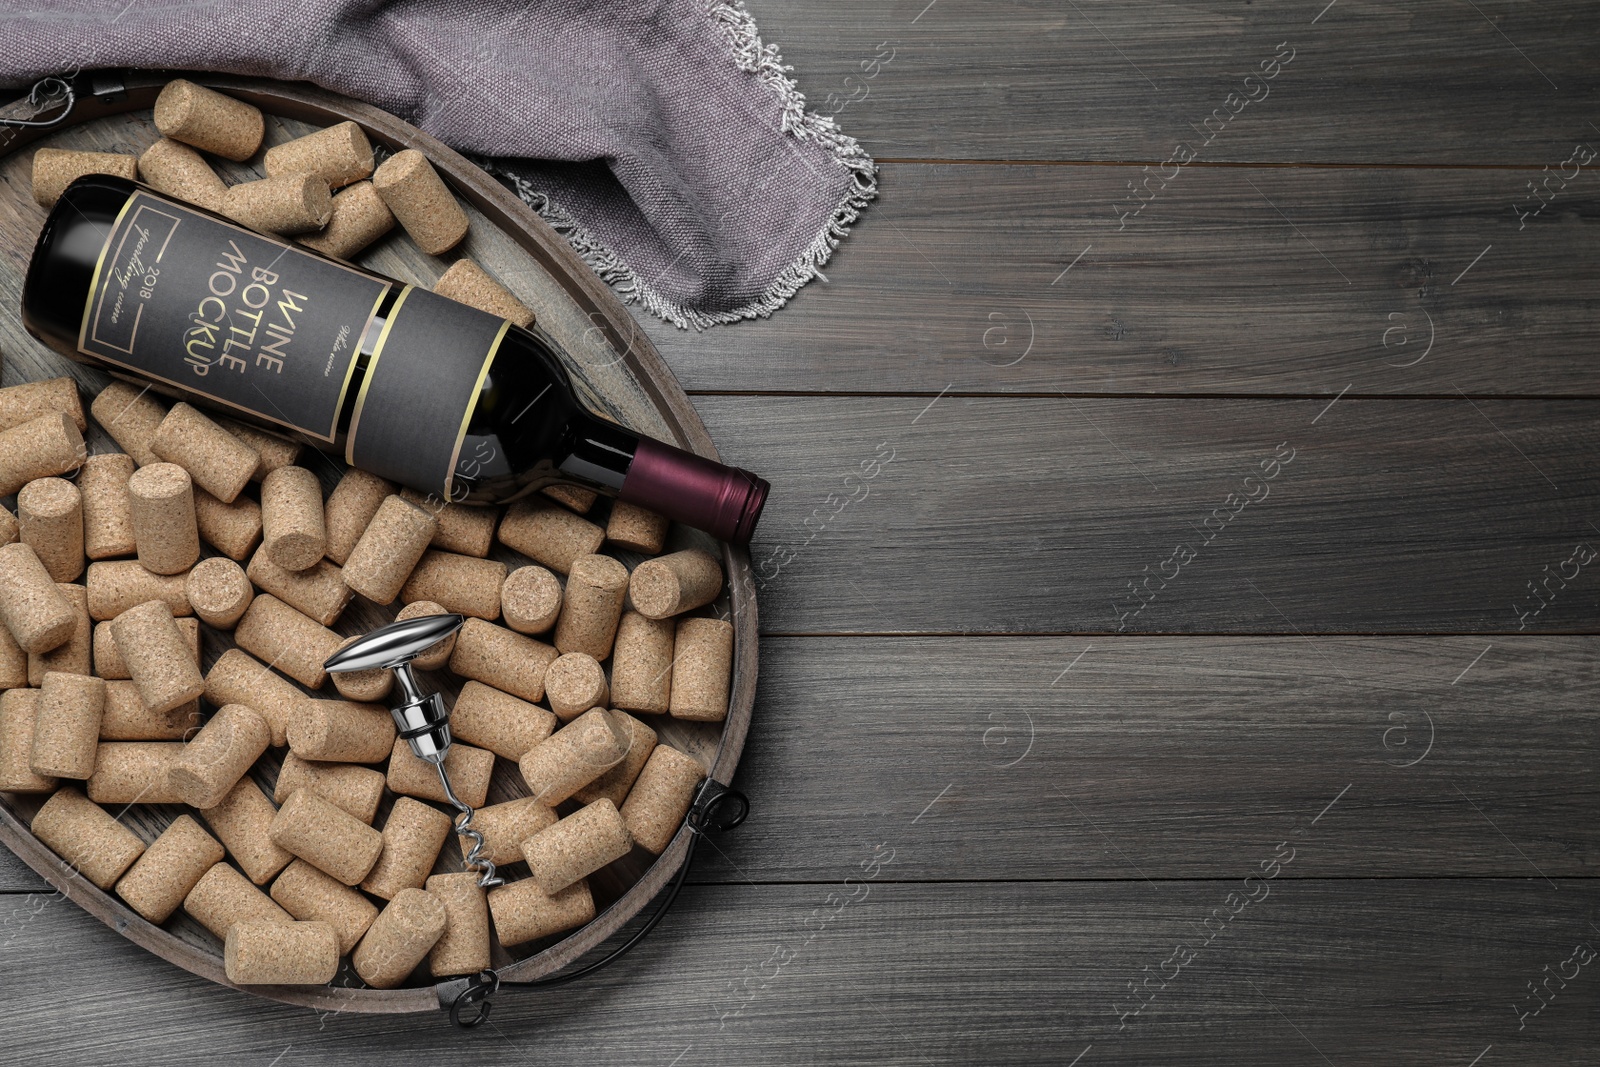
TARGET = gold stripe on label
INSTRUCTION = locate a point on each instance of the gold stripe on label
(349, 372)
(366, 381)
(472, 403)
(94, 279)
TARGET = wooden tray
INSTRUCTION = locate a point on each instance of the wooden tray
(614, 366)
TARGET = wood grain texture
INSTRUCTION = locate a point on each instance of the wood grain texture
(1007, 515)
(1370, 82)
(1385, 973)
(1000, 279)
(1172, 757)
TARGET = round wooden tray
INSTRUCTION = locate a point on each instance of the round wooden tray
(614, 367)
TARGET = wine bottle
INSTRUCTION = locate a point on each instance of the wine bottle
(406, 384)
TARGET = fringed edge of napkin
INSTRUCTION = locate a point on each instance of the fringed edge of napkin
(762, 60)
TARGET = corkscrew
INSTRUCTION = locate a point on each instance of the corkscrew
(422, 718)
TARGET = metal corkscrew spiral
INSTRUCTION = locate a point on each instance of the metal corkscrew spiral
(422, 718)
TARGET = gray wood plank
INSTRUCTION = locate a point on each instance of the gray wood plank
(1162, 757)
(1237, 280)
(1399, 972)
(1426, 82)
(1030, 515)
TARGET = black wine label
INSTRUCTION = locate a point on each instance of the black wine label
(245, 320)
(421, 385)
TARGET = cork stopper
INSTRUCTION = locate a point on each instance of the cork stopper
(370, 685)
(574, 756)
(218, 591)
(219, 462)
(164, 526)
(355, 789)
(31, 607)
(641, 664)
(341, 731)
(469, 769)
(133, 772)
(8, 526)
(359, 218)
(465, 585)
(575, 497)
(86, 836)
(615, 783)
(107, 507)
(530, 600)
(466, 530)
(219, 756)
(209, 121)
(42, 448)
(325, 836)
(243, 822)
(174, 168)
(702, 667)
(311, 896)
(388, 550)
(285, 205)
(660, 798)
(266, 952)
(339, 155)
(19, 710)
(232, 529)
(349, 511)
(502, 658)
(128, 718)
(50, 518)
(592, 606)
(158, 657)
(420, 201)
(223, 897)
(13, 663)
(464, 947)
(56, 168)
(295, 644)
(27, 401)
(272, 451)
(108, 661)
(169, 869)
(506, 826)
(573, 684)
(577, 846)
(549, 534)
(499, 722)
(130, 414)
(400, 937)
(412, 838)
(76, 654)
(468, 283)
(673, 584)
(636, 529)
(117, 585)
(523, 912)
(436, 655)
(292, 534)
(317, 592)
(66, 729)
(238, 678)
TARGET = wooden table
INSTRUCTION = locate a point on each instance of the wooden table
(1209, 675)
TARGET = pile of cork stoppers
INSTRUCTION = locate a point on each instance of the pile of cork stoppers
(102, 679)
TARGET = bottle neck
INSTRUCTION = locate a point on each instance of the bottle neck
(598, 453)
(724, 501)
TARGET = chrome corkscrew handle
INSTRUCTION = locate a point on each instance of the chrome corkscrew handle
(422, 718)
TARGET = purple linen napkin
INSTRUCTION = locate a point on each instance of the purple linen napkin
(662, 139)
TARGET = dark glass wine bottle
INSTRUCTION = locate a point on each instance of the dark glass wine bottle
(402, 382)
